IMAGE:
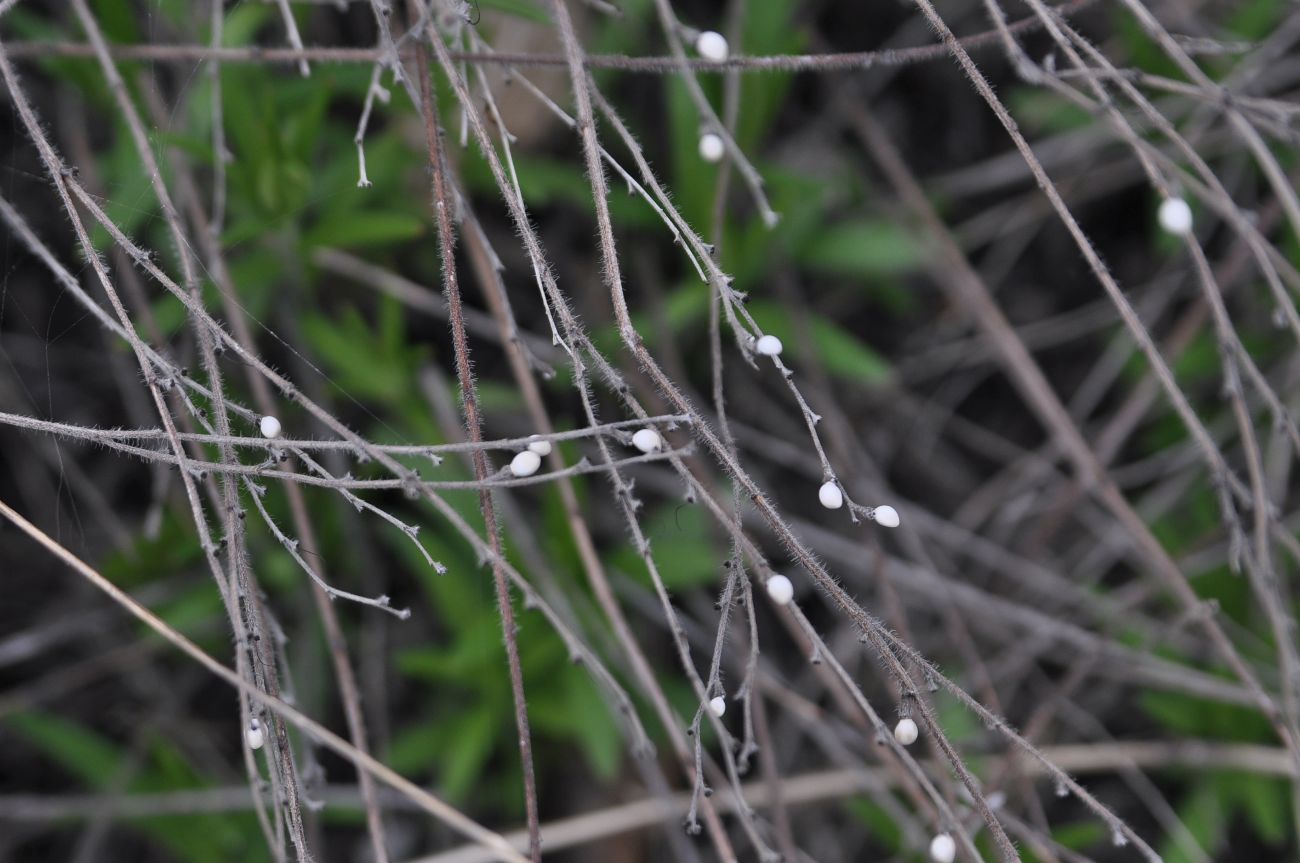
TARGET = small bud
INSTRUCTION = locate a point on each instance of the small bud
(906, 732)
(539, 446)
(270, 427)
(780, 589)
(526, 463)
(769, 346)
(253, 735)
(712, 147)
(1175, 216)
(718, 705)
(647, 440)
(712, 46)
(885, 516)
(943, 849)
(830, 495)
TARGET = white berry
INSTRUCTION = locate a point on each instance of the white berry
(1175, 216)
(526, 463)
(830, 496)
(718, 705)
(253, 735)
(906, 732)
(647, 440)
(768, 346)
(885, 516)
(712, 46)
(943, 849)
(780, 589)
(270, 427)
(539, 446)
(712, 147)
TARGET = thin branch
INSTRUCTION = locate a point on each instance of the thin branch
(442, 206)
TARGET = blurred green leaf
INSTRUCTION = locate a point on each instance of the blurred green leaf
(472, 735)
(1200, 717)
(882, 824)
(1203, 813)
(683, 548)
(863, 248)
(1264, 800)
(1044, 112)
(528, 9)
(350, 230)
(91, 757)
(1080, 835)
(359, 360)
(767, 30)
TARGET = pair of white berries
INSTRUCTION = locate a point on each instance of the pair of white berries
(832, 498)
(943, 849)
(527, 462)
(712, 46)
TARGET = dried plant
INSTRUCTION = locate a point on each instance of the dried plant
(917, 436)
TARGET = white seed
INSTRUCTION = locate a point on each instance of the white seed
(712, 46)
(943, 849)
(830, 496)
(1175, 216)
(885, 516)
(647, 440)
(539, 446)
(712, 147)
(526, 463)
(270, 427)
(780, 589)
(906, 732)
(253, 735)
(718, 705)
(768, 346)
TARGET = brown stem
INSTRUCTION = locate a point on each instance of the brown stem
(442, 203)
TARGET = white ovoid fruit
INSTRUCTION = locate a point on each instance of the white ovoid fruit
(780, 589)
(712, 147)
(270, 427)
(712, 46)
(647, 440)
(1175, 216)
(885, 516)
(525, 463)
(539, 446)
(906, 732)
(253, 734)
(769, 346)
(830, 495)
(943, 849)
(718, 705)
